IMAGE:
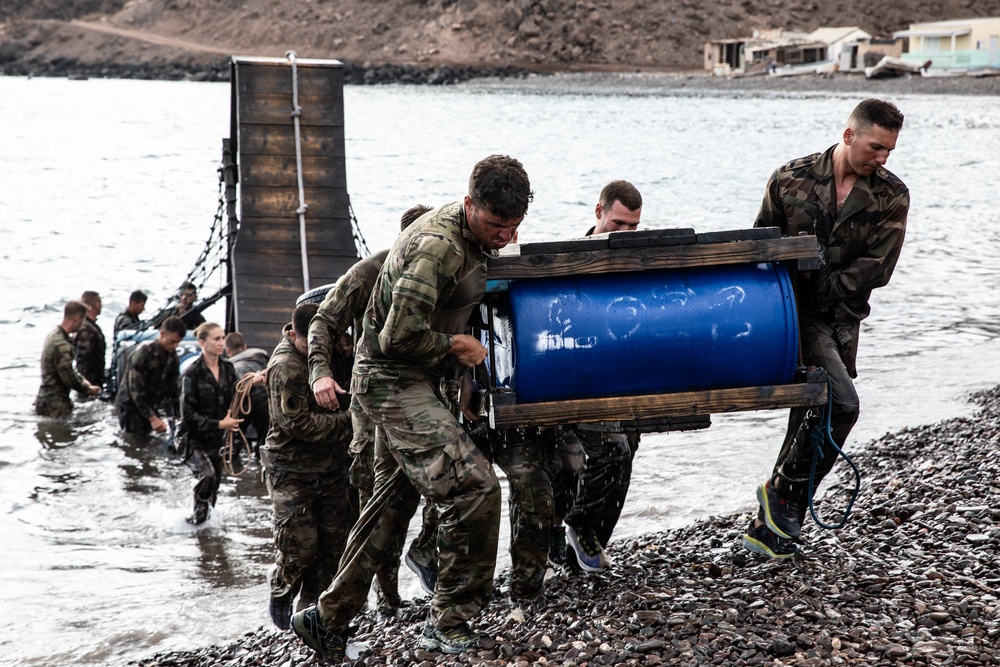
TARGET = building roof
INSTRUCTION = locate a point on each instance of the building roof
(835, 34)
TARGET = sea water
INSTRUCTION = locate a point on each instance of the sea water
(111, 186)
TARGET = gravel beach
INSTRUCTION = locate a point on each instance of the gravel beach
(912, 579)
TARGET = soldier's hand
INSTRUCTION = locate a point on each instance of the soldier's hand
(259, 378)
(93, 390)
(230, 423)
(157, 424)
(325, 390)
(467, 349)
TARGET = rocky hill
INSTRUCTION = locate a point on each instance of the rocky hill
(171, 38)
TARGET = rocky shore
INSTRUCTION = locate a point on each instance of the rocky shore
(912, 579)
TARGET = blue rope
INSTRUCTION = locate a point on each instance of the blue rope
(820, 435)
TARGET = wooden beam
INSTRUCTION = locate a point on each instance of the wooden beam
(281, 171)
(659, 405)
(280, 140)
(621, 260)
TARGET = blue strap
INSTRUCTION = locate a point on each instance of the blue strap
(822, 434)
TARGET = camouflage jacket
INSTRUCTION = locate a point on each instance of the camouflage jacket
(151, 377)
(304, 437)
(343, 307)
(90, 350)
(205, 402)
(125, 320)
(859, 244)
(58, 374)
(432, 280)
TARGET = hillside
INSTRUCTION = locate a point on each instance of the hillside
(172, 38)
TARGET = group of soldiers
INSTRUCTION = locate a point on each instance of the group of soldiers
(369, 412)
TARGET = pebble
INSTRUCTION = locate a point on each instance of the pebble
(923, 591)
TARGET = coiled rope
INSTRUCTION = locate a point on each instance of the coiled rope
(240, 407)
(822, 434)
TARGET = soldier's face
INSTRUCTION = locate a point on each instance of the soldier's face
(169, 340)
(869, 150)
(187, 297)
(492, 232)
(215, 342)
(301, 343)
(616, 219)
(136, 307)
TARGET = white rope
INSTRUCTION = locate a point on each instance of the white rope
(301, 210)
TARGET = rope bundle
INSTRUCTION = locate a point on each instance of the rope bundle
(239, 408)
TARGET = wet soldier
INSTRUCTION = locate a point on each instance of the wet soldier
(305, 461)
(90, 344)
(857, 210)
(207, 388)
(129, 318)
(58, 374)
(595, 496)
(248, 360)
(151, 378)
(343, 310)
(432, 279)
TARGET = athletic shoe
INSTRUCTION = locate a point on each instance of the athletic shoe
(781, 514)
(557, 547)
(328, 646)
(427, 574)
(588, 550)
(458, 639)
(761, 540)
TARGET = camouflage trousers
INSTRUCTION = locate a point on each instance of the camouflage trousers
(362, 475)
(53, 405)
(421, 450)
(207, 467)
(134, 423)
(522, 457)
(313, 515)
(819, 348)
(602, 485)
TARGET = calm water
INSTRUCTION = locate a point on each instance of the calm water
(111, 186)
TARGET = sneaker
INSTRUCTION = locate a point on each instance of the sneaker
(328, 646)
(588, 550)
(427, 574)
(557, 547)
(458, 639)
(780, 514)
(761, 540)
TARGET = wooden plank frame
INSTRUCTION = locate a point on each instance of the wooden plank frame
(656, 406)
(659, 249)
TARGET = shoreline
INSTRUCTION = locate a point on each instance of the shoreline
(578, 78)
(913, 578)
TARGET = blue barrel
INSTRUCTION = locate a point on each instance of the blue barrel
(650, 332)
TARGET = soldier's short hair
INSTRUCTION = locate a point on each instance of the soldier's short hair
(875, 112)
(90, 298)
(622, 191)
(302, 316)
(411, 215)
(202, 330)
(138, 296)
(175, 325)
(500, 185)
(235, 341)
(74, 309)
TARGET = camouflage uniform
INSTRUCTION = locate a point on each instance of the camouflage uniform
(860, 245)
(305, 459)
(343, 309)
(433, 278)
(151, 378)
(90, 351)
(205, 402)
(58, 376)
(125, 320)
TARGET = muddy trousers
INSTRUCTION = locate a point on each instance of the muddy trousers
(313, 514)
(420, 450)
(792, 467)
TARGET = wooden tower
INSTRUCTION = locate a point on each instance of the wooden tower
(282, 164)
